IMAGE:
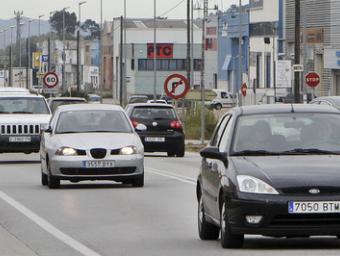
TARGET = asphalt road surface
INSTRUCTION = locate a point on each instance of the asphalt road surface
(104, 218)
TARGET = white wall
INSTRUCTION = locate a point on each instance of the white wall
(269, 12)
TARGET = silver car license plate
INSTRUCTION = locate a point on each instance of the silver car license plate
(99, 164)
(314, 207)
(154, 139)
(20, 139)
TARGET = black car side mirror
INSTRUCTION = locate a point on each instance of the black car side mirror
(48, 130)
(214, 153)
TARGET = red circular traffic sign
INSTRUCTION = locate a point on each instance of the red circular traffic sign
(176, 86)
(312, 79)
(244, 89)
(51, 80)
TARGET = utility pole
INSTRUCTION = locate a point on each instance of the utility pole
(192, 45)
(154, 51)
(5, 41)
(121, 78)
(18, 16)
(297, 51)
(28, 50)
(274, 62)
(101, 80)
(64, 53)
(125, 57)
(78, 46)
(189, 20)
(240, 39)
(205, 14)
(11, 59)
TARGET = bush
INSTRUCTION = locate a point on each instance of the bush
(193, 123)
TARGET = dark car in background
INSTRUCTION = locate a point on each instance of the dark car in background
(59, 101)
(271, 170)
(162, 130)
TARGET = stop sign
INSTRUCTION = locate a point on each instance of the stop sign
(244, 90)
(312, 79)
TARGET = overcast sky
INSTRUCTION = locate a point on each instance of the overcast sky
(112, 8)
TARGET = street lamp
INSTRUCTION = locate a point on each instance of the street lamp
(21, 24)
(101, 85)
(64, 57)
(78, 46)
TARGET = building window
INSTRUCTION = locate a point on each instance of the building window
(258, 70)
(132, 64)
(268, 70)
(212, 31)
(167, 65)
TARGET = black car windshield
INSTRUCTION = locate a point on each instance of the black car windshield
(153, 113)
(57, 103)
(307, 133)
(23, 105)
(90, 121)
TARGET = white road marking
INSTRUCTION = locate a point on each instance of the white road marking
(171, 175)
(84, 250)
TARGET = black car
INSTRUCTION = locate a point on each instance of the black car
(271, 170)
(162, 130)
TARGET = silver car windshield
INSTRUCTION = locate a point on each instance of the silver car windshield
(23, 105)
(288, 133)
(89, 121)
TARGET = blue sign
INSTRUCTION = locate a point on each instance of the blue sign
(44, 58)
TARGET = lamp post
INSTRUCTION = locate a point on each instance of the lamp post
(240, 51)
(63, 55)
(124, 73)
(5, 71)
(154, 51)
(101, 85)
(78, 46)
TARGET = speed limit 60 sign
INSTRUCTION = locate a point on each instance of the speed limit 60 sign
(51, 80)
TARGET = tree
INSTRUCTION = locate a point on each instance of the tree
(56, 22)
(91, 27)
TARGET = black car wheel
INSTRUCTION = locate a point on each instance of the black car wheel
(138, 182)
(206, 230)
(44, 179)
(218, 106)
(52, 181)
(181, 151)
(228, 240)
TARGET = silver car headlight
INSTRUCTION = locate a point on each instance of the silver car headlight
(249, 184)
(66, 151)
(129, 150)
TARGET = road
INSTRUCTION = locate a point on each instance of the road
(103, 218)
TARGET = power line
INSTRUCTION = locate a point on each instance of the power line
(173, 8)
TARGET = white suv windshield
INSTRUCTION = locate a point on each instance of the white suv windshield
(23, 105)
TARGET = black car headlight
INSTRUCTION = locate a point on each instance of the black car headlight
(249, 184)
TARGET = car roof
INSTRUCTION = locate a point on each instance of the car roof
(284, 108)
(150, 105)
(20, 95)
(67, 98)
(79, 107)
(335, 99)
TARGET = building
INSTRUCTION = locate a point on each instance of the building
(321, 51)
(171, 54)
(266, 48)
(228, 48)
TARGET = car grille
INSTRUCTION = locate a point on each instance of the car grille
(19, 129)
(305, 190)
(306, 220)
(97, 171)
(98, 153)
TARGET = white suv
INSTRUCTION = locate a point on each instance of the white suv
(22, 117)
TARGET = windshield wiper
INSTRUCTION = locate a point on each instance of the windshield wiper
(255, 153)
(307, 151)
(21, 112)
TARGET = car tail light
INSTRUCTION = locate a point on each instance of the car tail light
(176, 124)
(134, 123)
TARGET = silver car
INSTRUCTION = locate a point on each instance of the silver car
(91, 142)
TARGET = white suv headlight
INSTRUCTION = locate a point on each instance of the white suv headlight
(249, 184)
(129, 150)
(66, 151)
